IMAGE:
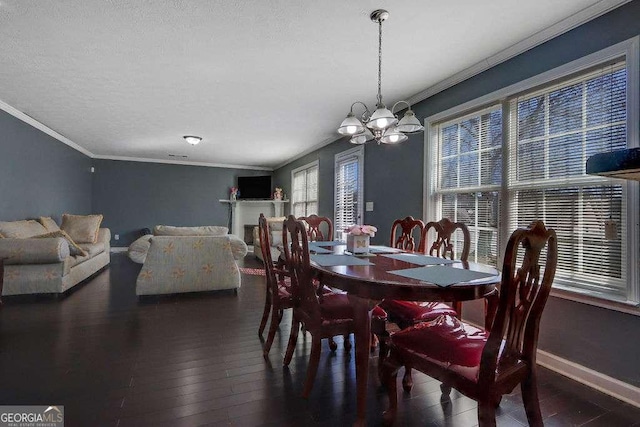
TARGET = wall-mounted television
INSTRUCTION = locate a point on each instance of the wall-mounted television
(254, 187)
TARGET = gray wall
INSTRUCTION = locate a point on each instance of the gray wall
(601, 339)
(39, 175)
(135, 195)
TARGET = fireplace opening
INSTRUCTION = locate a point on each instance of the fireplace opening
(248, 233)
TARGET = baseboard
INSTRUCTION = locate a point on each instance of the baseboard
(118, 249)
(594, 379)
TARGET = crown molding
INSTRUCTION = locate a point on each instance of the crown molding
(181, 162)
(582, 17)
(43, 128)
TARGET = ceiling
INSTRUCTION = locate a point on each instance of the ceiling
(261, 81)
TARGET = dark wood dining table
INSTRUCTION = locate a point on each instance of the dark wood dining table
(367, 285)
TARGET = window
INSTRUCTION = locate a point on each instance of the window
(304, 181)
(497, 166)
(348, 189)
(467, 187)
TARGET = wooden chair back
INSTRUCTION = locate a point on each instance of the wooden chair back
(523, 295)
(265, 246)
(405, 239)
(305, 298)
(314, 232)
(443, 244)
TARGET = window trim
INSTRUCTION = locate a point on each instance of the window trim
(310, 165)
(630, 51)
(352, 152)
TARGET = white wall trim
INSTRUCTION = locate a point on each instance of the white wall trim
(43, 128)
(594, 379)
(545, 35)
(181, 162)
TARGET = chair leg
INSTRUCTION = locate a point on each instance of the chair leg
(530, 398)
(276, 318)
(457, 306)
(333, 346)
(407, 381)
(445, 389)
(382, 356)
(293, 339)
(312, 369)
(265, 315)
(390, 381)
(347, 342)
(487, 414)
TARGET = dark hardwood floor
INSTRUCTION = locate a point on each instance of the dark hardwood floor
(196, 359)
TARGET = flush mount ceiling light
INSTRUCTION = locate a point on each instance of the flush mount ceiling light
(383, 125)
(193, 140)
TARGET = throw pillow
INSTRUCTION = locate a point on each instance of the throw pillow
(74, 249)
(276, 238)
(21, 229)
(82, 228)
(48, 223)
(276, 223)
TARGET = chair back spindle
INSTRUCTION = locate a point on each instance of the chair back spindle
(314, 232)
(443, 244)
(404, 239)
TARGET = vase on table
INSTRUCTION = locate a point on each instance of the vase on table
(358, 244)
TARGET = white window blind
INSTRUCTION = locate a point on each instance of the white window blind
(305, 190)
(468, 178)
(348, 189)
(550, 132)
(553, 132)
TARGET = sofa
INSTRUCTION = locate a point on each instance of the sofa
(38, 264)
(275, 233)
(187, 259)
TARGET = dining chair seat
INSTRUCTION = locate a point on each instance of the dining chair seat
(336, 307)
(379, 312)
(406, 313)
(448, 342)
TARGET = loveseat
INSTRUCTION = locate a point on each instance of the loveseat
(36, 264)
(187, 259)
(274, 225)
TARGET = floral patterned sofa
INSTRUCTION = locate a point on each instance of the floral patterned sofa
(36, 263)
(188, 263)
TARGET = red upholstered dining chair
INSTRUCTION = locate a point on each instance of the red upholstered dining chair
(278, 295)
(486, 364)
(407, 313)
(314, 232)
(323, 316)
(315, 225)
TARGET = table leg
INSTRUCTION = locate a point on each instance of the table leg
(362, 335)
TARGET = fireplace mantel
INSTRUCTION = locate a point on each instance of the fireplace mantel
(246, 212)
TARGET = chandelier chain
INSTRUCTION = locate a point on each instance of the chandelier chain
(380, 61)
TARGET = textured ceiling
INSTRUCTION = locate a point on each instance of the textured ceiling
(260, 81)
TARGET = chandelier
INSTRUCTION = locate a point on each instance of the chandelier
(383, 125)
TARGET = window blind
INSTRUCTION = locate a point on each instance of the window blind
(552, 133)
(348, 186)
(468, 175)
(305, 191)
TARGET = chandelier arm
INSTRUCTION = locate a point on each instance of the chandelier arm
(366, 113)
(400, 102)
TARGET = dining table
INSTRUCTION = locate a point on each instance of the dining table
(386, 272)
